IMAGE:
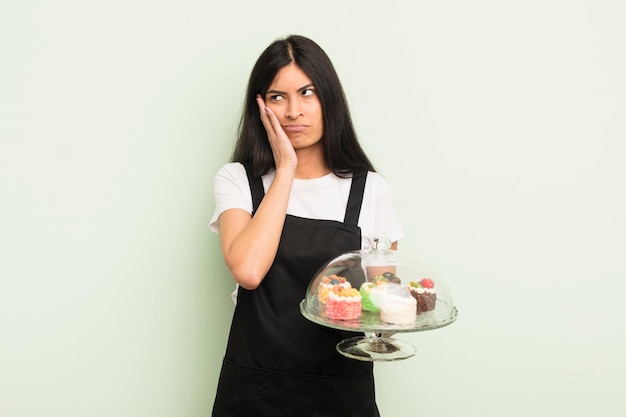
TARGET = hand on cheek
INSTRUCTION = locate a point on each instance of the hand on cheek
(282, 147)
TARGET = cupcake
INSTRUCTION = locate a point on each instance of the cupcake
(370, 290)
(398, 307)
(328, 282)
(366, 301)
(424, 293)
(343, 303)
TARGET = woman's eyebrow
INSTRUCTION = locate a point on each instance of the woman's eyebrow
(299, 90)
(305, 87)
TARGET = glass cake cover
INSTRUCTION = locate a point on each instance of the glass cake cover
(380, 291)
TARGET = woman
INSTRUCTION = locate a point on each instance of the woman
(298, 192)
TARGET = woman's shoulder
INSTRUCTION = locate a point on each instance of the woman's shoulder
(375, 176)
(232, 172)
(230, 175)
(377, 186)
(231, 169)
(377, 179)
(235, 173)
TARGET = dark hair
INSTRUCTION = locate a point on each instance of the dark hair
(342, 151)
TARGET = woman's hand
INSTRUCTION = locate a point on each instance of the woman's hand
(249, 244)
(282, 149)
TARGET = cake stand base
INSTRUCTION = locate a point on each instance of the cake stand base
(375, 348)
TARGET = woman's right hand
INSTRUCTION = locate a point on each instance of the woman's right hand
(282, 149)
(249, 244)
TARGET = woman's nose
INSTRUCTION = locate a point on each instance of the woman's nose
(293, 110)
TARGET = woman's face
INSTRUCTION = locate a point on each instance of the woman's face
(293, 99)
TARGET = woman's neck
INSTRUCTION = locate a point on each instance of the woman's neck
(311, 165)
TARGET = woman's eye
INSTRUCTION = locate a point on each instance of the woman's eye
(308, 92)
(276, 97)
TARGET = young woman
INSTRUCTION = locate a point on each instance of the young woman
(299, 191)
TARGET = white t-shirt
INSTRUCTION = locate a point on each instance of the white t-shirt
(323, 198)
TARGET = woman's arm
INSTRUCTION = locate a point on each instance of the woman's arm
(249, 244)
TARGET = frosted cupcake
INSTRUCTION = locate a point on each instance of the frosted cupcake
(424, 293)
(370, 292)
(343, 303)
(398, 307)
(327, 283)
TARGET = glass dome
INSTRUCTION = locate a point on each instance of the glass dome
(378, 291)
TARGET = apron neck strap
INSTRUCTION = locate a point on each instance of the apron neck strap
(353, 208)
(256, 188)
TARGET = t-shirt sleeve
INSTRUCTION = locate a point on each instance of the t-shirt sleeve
(386, 220)
(231, 190)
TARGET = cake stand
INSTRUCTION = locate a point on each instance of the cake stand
(359, 267)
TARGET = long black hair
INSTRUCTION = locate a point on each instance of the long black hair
(342, 151)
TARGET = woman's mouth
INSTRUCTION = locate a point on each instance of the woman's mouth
(294, 128)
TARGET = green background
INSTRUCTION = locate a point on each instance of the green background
(500, 126)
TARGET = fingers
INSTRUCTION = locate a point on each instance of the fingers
(263, 112)
(282, 149)
(270, 121)
(274, 121)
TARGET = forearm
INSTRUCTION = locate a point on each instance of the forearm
(249, 245)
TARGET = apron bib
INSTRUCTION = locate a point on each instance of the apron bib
(277, 362)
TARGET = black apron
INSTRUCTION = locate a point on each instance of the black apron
(277, 362)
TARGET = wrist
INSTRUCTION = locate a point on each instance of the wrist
(288, 172)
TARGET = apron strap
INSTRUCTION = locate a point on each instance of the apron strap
(353, 208)
(256, 188)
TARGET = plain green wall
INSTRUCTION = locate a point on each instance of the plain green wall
(500, 126)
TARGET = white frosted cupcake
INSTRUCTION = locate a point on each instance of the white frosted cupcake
(398, 307)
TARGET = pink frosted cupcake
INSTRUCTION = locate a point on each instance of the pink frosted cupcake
(343, 303)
